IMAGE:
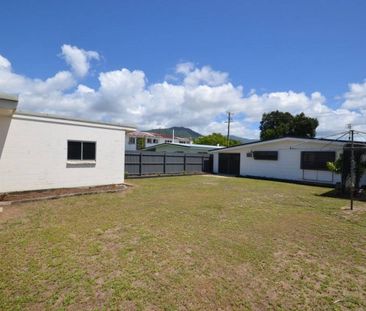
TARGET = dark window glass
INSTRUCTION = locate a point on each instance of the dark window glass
(79, 150)
(316, 160)
(74, 150)
(88, 151)
(265, 155)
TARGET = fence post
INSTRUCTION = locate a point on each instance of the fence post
(140, 166)
(185, 162)
(164, 163)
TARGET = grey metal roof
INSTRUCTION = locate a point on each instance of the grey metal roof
(289, 137)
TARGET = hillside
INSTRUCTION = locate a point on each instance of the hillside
(242, 140)
(188, 133)
(178, 131)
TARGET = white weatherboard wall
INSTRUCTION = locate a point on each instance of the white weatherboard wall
(33, 153)
(288, 164)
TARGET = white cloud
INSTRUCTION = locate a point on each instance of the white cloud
(4, 63)
(201, 76)
(15, 83)
(78, 59)
(195, 97)
(355, 98)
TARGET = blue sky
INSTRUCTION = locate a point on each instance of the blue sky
(268, 46)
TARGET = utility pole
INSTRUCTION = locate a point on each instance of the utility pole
(229, 119)
(352, 166)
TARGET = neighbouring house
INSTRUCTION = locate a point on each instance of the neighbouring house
(40, 151)
(140, 140)
(288, 158)
(182, 148)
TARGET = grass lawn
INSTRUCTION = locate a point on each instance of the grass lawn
(186, 243)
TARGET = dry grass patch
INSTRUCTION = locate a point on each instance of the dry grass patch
(186, 243)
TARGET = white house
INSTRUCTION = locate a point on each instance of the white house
(152, 139)
(297, 159)
(39, 151)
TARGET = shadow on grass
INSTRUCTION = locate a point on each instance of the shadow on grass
(335, 194)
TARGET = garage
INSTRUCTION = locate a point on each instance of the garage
(229, 163)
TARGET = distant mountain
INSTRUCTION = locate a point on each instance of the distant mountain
(178, 131)
(242, 140)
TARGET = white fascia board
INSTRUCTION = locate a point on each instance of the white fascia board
(67, 121)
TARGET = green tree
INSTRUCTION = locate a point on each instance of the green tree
(140, 143)
(215, 139)
(303, 126)
(278, 124)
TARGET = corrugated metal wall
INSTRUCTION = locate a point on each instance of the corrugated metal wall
(144, 163)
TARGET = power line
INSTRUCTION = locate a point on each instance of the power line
(305, 142)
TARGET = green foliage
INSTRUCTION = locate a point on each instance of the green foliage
(140, 143)
(215, 139)
(278, 124)
(336, 166)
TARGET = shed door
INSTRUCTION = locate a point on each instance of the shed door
(229, 163)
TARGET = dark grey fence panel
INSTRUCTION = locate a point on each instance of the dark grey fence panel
(144, 163)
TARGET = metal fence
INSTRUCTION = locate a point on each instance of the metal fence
(145, 163)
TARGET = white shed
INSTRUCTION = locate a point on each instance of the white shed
(288, 158)
(40, 151)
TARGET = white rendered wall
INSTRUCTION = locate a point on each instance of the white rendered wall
(33, 155)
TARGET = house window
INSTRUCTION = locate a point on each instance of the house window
(132, 140)
(81, 150)
(155, 141)
(265, 155)
(168, 141)
(149, 141)
(316, 160)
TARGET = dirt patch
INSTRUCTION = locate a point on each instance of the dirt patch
(217, 176)
(28, 196)
(10, 213)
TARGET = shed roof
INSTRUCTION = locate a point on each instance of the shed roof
(287, 138)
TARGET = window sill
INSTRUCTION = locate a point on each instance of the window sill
(80, 163)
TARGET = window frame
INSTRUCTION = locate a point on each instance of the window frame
(274, 156)
(305, 166)
(82, 142)
(130, 139)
